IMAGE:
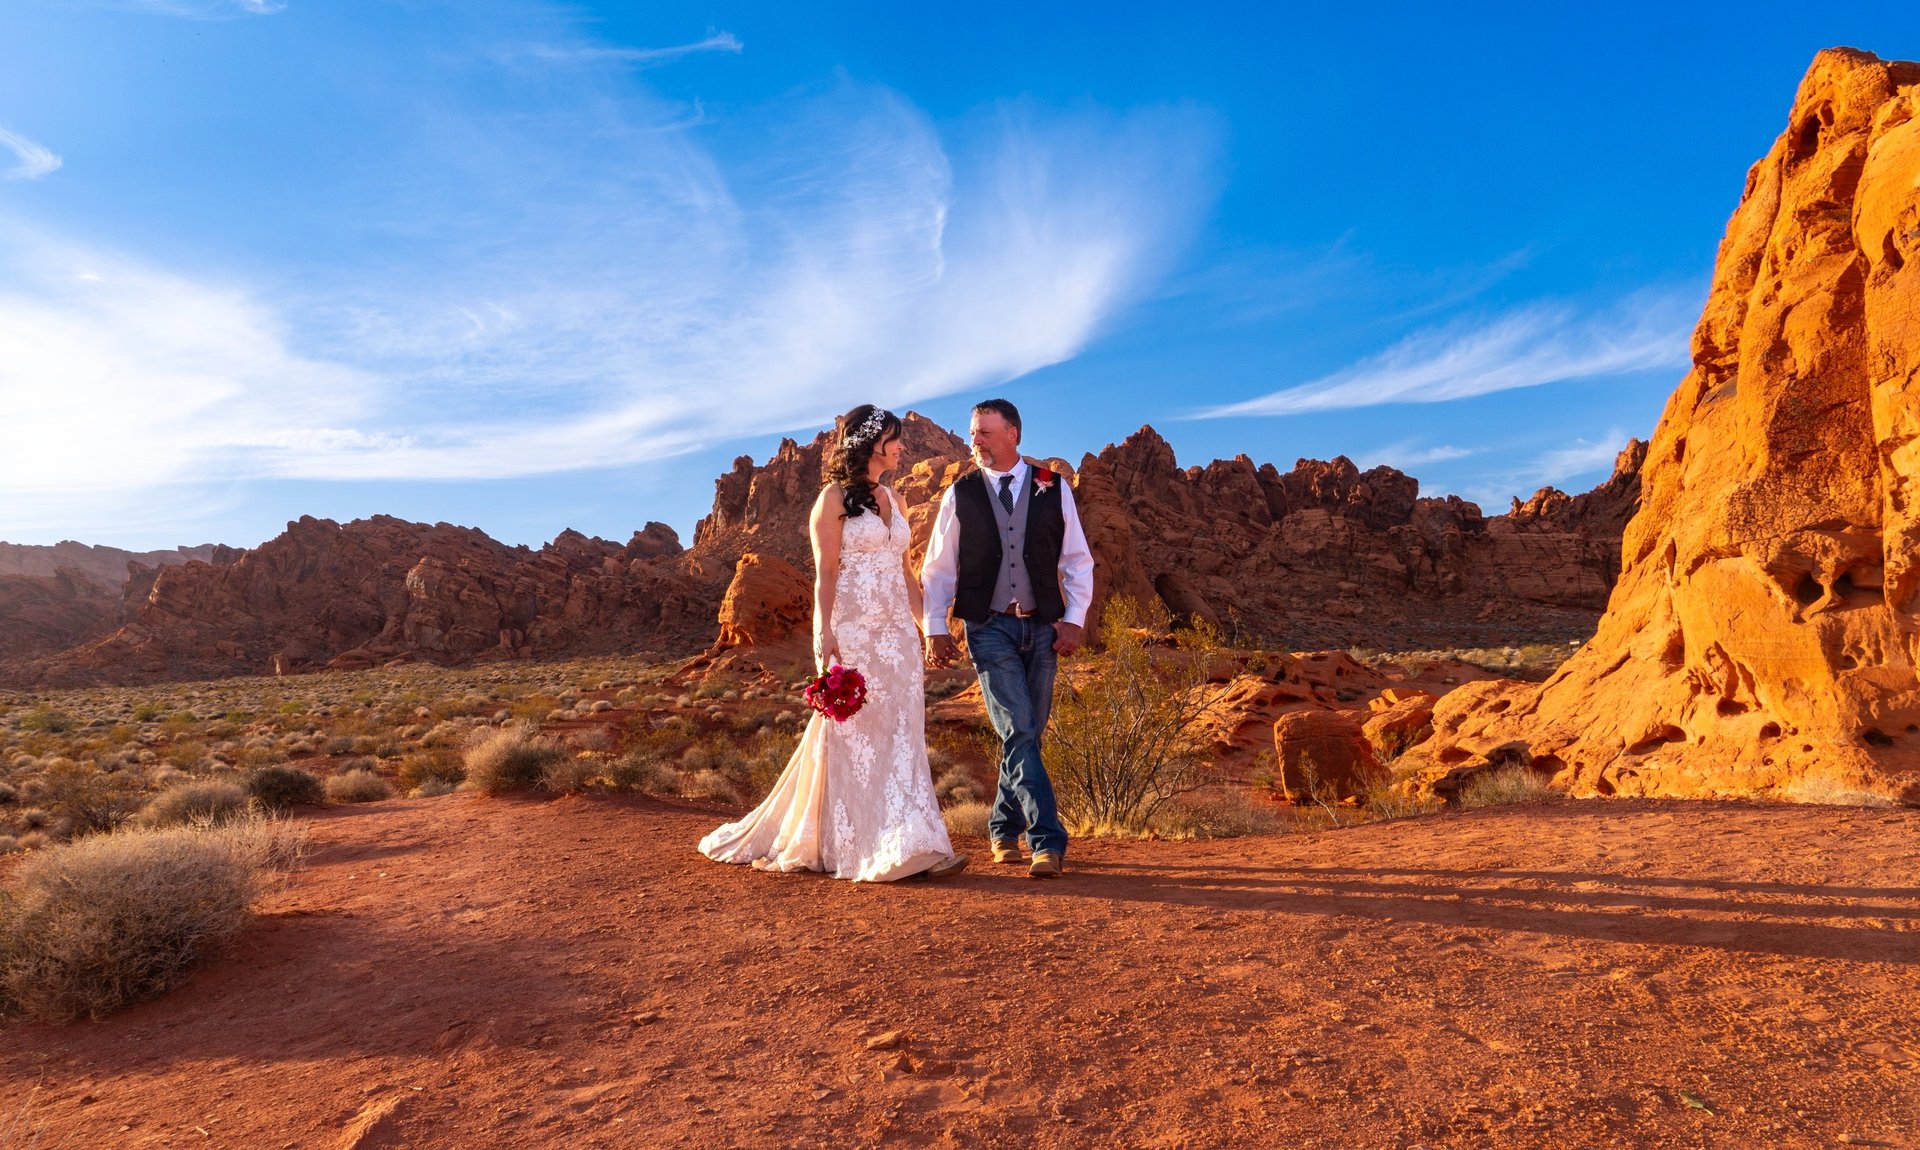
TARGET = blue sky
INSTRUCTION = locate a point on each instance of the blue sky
(529, 266)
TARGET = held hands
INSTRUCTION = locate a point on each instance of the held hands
(941, 651)
(1067, 638)
(826, 649)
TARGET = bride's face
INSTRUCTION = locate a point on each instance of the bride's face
(887, 455)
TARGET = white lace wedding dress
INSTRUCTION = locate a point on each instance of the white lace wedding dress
(856, 799)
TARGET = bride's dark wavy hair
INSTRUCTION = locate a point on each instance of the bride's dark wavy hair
(847, 466)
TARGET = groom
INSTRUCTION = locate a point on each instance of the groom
(1009, 557)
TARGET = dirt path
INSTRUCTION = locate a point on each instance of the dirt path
(466, 972)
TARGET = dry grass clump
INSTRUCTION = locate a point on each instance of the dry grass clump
(968, 818)
(280, 787)
(431, 769)
(1217, 814)
(359, 785)
(511, 758)
(1824, 790)
(92, 800)
(1509, 784)
(208, 801)
(568, 774)
(113, 919)
(642, 770)
(712, 786)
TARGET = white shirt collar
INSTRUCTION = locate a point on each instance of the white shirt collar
(1018, 468)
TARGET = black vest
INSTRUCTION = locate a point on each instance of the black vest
(980, 558)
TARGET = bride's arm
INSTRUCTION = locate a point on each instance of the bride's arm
(915, 599)
(824, 528)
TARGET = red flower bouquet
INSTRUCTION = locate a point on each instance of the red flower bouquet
(839, 694)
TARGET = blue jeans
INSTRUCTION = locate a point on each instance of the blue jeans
(1015, 661)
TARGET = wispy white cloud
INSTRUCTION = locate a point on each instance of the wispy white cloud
(1527, 347)
(568, 288)
(1408, 456)
(643, 57)
(33, 160)
(1579, 458)
(199, 9)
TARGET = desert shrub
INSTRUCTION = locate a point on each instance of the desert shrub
(511, 758)
(1388, 799)
(1124, 737)
(711, 785)
(281, 786)
(702, 757)
(145, 713)
(1215, 815)
(8, 793)
(591, 739)
(1510, 784)
(437, 765)
(94, 800)
(48, 720)
(955, 787)
(340, 745)
(966, 819)
(568, 774)
(211, 802)
(641, 770)
(114, 919)
(357, 786)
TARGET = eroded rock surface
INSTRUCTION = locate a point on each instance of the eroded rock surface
(1762, 637)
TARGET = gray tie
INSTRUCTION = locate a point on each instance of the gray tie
(1006, 493)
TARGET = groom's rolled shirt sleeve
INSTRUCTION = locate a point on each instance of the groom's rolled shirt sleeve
(940, 570)
(1076, 562)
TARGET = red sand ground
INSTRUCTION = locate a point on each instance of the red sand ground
(466, 972)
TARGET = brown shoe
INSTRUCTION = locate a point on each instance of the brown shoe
(1006, 851)
(1046, 864)
(951, 865)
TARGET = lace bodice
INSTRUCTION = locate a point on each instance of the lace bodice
(872, 588)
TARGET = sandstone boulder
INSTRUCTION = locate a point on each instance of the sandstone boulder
(1324, 755)
(769, 602)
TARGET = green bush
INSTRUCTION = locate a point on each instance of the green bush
(279, 787)
(1126, 731)
(642, 770)
(48, 721)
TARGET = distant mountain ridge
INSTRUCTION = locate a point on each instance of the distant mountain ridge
(1324, 555)
(105, 566)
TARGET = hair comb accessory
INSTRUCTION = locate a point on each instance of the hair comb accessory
(868, 428)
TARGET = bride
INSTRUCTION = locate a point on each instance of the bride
(856, 799)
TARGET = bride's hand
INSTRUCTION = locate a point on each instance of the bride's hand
(826, 649)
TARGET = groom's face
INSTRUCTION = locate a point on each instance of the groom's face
(996, 443)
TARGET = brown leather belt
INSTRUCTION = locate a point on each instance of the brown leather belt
(1017, 611)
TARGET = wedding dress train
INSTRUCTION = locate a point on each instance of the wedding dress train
(856, 799)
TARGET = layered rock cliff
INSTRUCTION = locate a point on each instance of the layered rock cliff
(1762, 637)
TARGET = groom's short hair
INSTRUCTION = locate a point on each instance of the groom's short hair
(1002, 408)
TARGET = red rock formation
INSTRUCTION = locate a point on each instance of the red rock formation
(378, 590)
(1763, 635)
(769, 602)
(1327, 555)
(1324, 756)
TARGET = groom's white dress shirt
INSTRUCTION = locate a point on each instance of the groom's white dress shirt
(940, 571)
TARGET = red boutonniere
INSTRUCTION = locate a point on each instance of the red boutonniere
(1043, 480)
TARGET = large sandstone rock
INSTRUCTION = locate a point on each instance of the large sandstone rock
(105, 567)
(769, 602)
(1763, 635)
(43, 614)
(1323, 755)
